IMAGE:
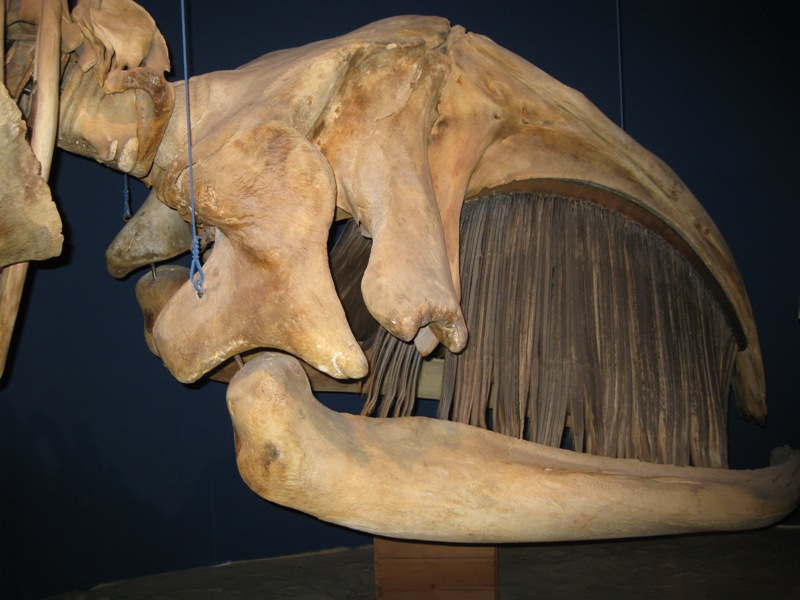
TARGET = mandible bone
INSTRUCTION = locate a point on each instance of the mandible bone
(435, 480)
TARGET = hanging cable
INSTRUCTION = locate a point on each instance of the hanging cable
(619, 62)
(126, 199)
(196, 269)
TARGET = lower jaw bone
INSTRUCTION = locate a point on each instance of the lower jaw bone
(434, 480)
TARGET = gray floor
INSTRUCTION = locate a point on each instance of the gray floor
(763, 564)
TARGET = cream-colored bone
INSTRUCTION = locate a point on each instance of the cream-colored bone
(267, 281)
(45, 124)
(434, 480)
(480, 117)
(122, 129)
(553, 132)
(26, 207)
(116, 103)
(12, 282)
(377, 145)
(153, 291)
(121, 36)
(294, 87)
(154, 234)
(445, 115)
(46, 74)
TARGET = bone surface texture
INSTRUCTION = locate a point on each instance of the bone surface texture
(435, 480)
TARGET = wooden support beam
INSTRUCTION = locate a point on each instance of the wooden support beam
(407, 570)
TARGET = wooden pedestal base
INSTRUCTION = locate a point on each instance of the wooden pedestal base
(425, 571)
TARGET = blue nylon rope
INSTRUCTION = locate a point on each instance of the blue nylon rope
(196, 269)
(126, 199)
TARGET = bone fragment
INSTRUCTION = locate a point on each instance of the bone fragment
(115, 101)
(30, 221)
(154, 234)
(434, 480)
(121, 128)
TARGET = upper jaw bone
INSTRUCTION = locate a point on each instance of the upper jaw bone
(377, 145)
(435, 480)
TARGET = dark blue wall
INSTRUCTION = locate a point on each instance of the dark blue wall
(111, 469)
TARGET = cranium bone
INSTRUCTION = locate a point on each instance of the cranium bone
(284, 141)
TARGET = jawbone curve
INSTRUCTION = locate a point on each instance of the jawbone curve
(434, 480)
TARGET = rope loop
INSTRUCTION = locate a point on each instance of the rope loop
(196, 269)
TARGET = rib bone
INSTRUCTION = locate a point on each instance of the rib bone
(45, 124)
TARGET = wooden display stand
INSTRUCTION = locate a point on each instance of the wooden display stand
(427, 571)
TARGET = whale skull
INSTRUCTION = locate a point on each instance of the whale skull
(393, 125)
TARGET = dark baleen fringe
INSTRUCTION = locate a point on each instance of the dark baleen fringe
(348, 258)
(582, 324)
(394, 371)
(394, 364)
